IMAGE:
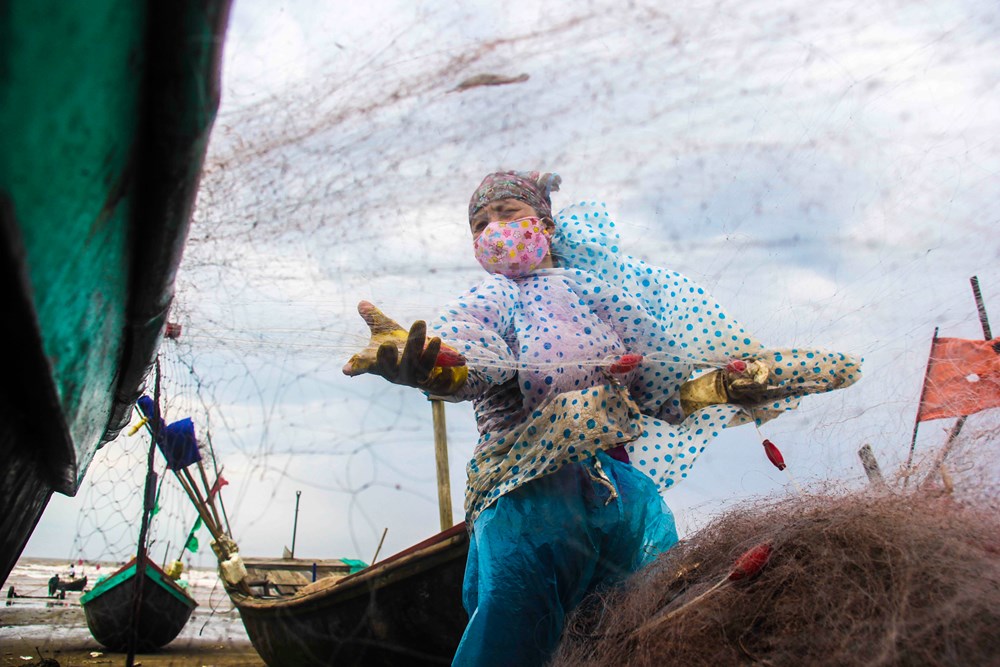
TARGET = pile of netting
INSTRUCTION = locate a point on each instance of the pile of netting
(872, 578)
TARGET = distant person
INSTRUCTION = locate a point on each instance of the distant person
(586, 368)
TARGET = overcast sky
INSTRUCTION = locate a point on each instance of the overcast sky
(828, 171)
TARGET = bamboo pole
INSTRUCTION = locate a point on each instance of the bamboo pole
(148, 501)
(218, 473)
(187, 483)
(984, 321)
(916, 419)
(378, 550)
(441, 458)
(295, 521)
(208, 494)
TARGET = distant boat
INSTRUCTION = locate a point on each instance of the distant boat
(105, 114)
(405, 610)
(166, 608)
(57, 583)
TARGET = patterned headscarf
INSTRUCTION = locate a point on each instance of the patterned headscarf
(531, 187)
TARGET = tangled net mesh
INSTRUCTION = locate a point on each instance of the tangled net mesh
(772, 153)
(877, 577)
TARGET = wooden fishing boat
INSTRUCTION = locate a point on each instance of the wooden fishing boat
(76, 584)
(105, 113)
(165, 609)
(405, 610)
(57, 583)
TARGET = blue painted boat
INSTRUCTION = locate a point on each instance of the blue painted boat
(165, 609)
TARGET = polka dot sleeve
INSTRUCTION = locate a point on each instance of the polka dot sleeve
(476, 324)
(681, 331)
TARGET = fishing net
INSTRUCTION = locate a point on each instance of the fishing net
(825, 171)
(799, 163)
(819, 170)
(867, 578)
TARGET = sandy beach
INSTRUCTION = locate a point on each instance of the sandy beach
(32, 628)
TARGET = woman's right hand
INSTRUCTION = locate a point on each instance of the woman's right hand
(407, 358)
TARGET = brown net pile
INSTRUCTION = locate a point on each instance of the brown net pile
(861, 579)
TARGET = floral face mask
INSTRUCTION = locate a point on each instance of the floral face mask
(514, 248)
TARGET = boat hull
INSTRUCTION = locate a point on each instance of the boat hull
(406, 610)
(165, 610)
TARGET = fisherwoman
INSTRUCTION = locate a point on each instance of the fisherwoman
(597, 380)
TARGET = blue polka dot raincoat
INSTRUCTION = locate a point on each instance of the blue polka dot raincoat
(538, 349)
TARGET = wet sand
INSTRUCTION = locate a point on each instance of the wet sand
(78, 652)
(61, 633)
(36, 628)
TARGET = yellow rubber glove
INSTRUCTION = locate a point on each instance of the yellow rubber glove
(742, 382)
(746, 381)
(407, 358)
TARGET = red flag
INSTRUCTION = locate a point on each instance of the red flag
(220, 482)
(963, 377)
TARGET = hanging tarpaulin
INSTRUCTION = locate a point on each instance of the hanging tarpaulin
(963, 377)
(355, 564)
(177, 442)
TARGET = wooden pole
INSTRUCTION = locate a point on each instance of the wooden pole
(870, 465)
(218, 471)
(946, 448)
(208, 494)
(195, 497)
(148, 500)
(379, 549)
(984, 322)
(295, 522)
(441, 457)
(916, 419)
(190, 534)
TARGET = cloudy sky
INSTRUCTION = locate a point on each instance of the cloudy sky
(828, 171)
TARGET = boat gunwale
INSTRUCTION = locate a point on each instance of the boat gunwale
(424, 555)
(127, 572)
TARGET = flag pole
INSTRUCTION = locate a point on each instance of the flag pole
(194, 529)
(981, 307)
(218, 471)
(916, 420)
(984, 322)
